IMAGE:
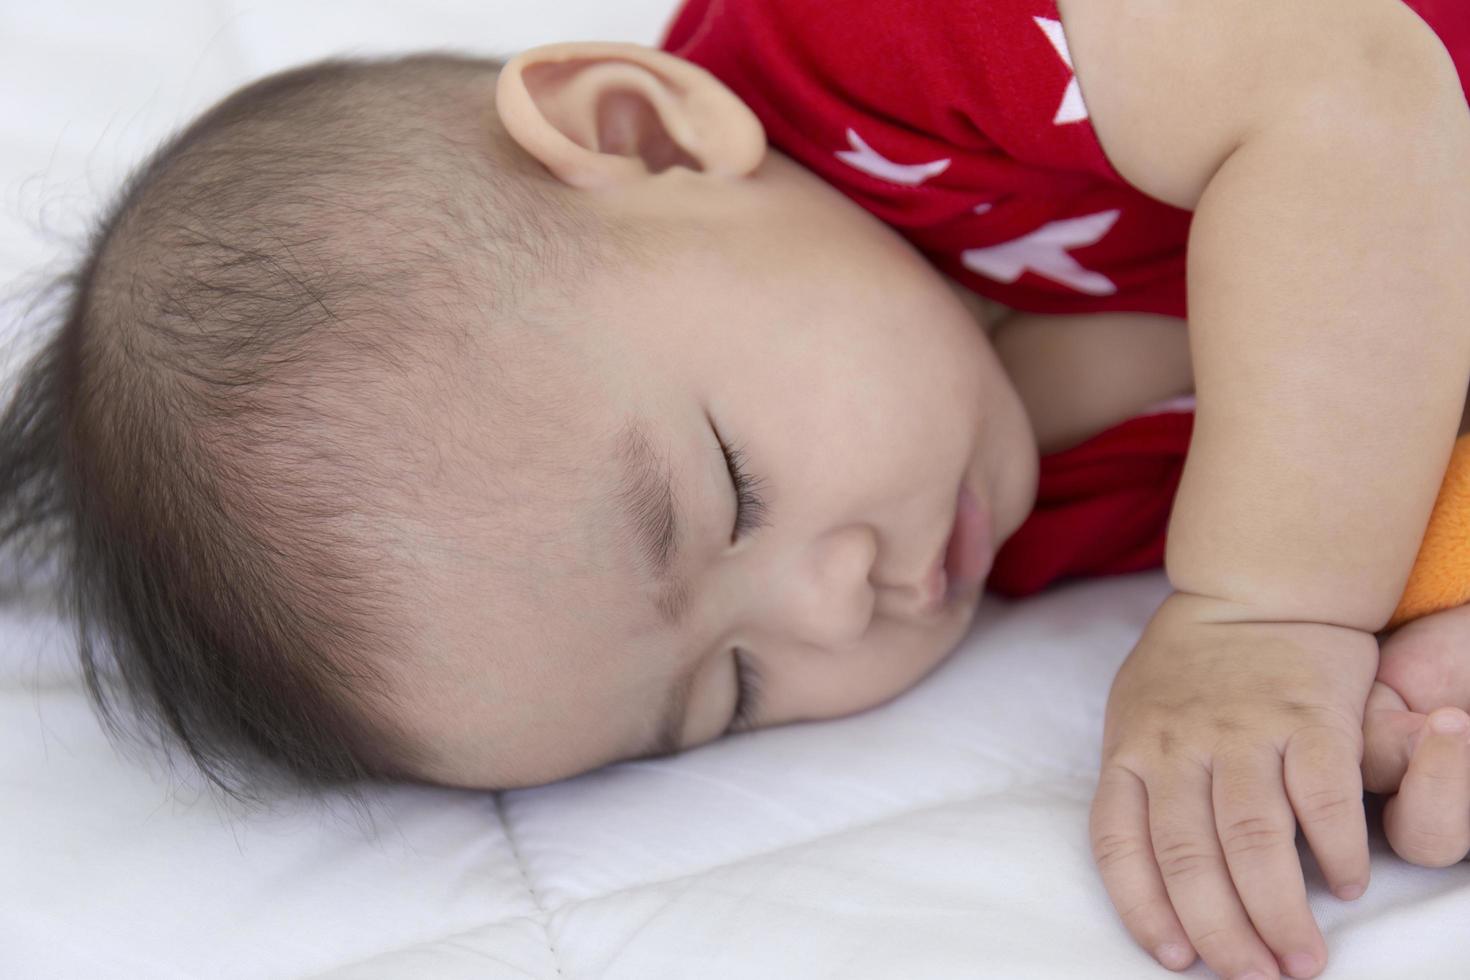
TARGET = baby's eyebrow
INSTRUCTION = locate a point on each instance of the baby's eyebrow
(653, 515)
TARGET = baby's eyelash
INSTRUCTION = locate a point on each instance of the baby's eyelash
(750, 507)
(747, 700)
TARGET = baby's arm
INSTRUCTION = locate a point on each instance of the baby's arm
(1327, 278)
(1080, 374)
(1323, 148)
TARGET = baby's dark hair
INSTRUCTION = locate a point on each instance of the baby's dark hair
(170, 451)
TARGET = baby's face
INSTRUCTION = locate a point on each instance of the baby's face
(573, 627)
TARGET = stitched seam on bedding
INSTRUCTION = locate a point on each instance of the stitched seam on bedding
(1051, 784)
(542, 915)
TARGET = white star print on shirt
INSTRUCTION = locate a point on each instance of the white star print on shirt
(1044, 252)
(863, 157)
(1072, 109)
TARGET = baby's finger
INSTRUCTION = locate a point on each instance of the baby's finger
(1428, 822)
(1258, 835)
(1125, 858)
(1325, 784)
(1181, 818)
(1388, 739)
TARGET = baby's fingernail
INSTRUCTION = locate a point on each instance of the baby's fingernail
(1450, 722)
(1172, 955)
(1300, 964)
(1349, 892)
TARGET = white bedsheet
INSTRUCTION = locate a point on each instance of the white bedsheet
(941, 835)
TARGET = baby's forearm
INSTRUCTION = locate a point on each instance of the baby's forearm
(1329, 322)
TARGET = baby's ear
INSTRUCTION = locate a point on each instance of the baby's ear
(598, 114)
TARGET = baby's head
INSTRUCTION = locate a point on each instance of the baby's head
(391, 427)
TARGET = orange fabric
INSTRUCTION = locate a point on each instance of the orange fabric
(1441, 575)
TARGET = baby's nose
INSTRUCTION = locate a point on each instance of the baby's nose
(829, 599)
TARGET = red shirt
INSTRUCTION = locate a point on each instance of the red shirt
(962, 125)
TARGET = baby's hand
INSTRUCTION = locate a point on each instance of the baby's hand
(1423, 682)
(1219, 736)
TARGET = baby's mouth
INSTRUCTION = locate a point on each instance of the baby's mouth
(971, 548)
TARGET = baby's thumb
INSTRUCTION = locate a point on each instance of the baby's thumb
(1390, 734)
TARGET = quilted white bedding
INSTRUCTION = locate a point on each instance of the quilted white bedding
(941, 835)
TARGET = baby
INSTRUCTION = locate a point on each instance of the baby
(483, 424)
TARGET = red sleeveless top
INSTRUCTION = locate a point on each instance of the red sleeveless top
(963, 126)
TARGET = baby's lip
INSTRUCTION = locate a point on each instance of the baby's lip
(933, 588)
(965, 555)
(970, 551)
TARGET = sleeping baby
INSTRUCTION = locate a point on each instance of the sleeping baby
(483, 423)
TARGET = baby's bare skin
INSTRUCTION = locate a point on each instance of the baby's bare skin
(1424, 669)
(1423, 683)
(1416, 734)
